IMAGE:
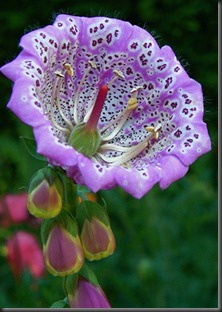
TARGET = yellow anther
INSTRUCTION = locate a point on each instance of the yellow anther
(150, 129)
(69, 69)
(155, 131)
(132, 103)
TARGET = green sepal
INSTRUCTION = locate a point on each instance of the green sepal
(88, 274)
(70, 284)
(88, 210)
(64, 219)
(30, 145)
(60, 304)
(49, 174)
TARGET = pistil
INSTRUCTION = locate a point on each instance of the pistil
(97, 108)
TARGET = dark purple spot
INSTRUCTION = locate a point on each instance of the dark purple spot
(39, 71)
(188, 101)
(188, 128)
(109, 38)
(150, 86)
(176, 69)
(196, 136)
(94, 43)
(186, 144)
(193, 109)
(51, 41)
(134, 45)
(101, 26)
(185, 111)
(190, 140)
(73, 30)
(95, 29)
(116, 33)
(178, 133)
(129, 71)
(161, 67)
(100, 40)
(37, 83)
(59, 24)
(168, 82)
(174, 104)
(45, 59)
(43, 35)
(37, 104)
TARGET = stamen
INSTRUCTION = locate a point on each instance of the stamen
(132, 103)
(97, 108)
(117, 74)
(67, 121)
(128, 153)
(76, 99)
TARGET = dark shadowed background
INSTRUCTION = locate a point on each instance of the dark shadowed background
(166, 254)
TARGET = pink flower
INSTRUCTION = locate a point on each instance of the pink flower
(88, 295)
(107, 104)
(24, 253)
(13, 209)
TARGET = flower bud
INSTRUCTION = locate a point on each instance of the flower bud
(62, 248)
(96, 236)
(45, 194)
(87, 295)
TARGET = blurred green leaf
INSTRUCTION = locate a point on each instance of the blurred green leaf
(30, 144)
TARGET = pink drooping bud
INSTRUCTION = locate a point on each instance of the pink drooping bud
(62, 248)
(97, 238)
(87, 295)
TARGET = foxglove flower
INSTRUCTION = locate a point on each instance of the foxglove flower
(24, 253)
(107, 104)
(13, 209)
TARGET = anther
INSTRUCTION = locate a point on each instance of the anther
(69, 69)
(118, 73)
(154, 130)
(92, 64)
(59, 74)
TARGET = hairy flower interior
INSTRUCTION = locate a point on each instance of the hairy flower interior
(106, 144)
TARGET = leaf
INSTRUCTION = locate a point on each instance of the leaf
(30, 144)
(59, 304)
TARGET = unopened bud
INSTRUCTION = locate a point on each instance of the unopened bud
(96, 236)
(62, 248)
(87, 295)
(45, 194)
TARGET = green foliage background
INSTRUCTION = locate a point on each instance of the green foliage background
(166, 254)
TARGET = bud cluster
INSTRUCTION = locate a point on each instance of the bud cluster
(74, 228)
